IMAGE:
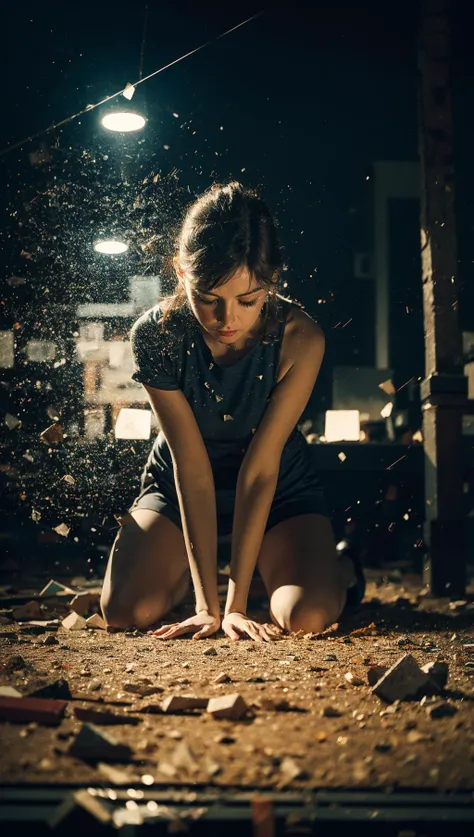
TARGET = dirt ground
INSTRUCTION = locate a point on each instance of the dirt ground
(285, 740)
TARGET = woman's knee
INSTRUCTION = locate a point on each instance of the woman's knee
(293, 610)
(121, 611)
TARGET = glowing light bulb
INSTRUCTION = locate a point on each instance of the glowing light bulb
(110, 246)
(123, 121)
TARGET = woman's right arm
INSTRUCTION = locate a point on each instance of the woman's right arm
(195, 489)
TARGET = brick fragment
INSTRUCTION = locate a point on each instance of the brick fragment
(74, 622)
(181, 703)
(41, 710)
(228, 706)
(404, 680)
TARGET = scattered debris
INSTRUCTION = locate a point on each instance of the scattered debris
(96, 622)
(291, 770)
(50, 640)
(104, 717)
(54, 587)
(183, 703)
(438, 671)
(41, 710)
(80, 808)
(331, 712)
(74, 622)
(232, 706)
(210, 652)
(83, 603)
(352, 679)
(368, 630)
(53, 435)
(222, 677)
(30, 610)
(91, 744)
(116, 775)
(441, 710)
(143, 687)
(404, 680)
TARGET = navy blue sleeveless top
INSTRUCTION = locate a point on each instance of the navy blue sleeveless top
(227, 402)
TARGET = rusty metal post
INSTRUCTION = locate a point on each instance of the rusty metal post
(444, 389)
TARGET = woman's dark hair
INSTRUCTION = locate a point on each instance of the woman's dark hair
(226, 229)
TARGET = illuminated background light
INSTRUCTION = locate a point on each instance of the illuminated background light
(110, 246)
(123, 121)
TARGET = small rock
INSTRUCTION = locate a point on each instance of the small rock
(331, 712)
(352, 679)
(441, 710)
(107, 671)
(83, 603)
(290, 769)
(140, 688)
(210, 652)
(330, 658)
(50, 640)
(74, 622)
(47, 765)
(402, 681)
(222, 678)
(232, 706)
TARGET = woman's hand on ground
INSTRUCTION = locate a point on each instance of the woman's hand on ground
(235, 624)
(204, 623)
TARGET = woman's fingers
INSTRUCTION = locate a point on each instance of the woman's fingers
(163, 629)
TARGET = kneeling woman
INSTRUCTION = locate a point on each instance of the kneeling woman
(228, 364)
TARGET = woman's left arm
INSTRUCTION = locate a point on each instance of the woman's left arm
(258, 476)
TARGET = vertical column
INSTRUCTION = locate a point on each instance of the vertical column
(444, 389)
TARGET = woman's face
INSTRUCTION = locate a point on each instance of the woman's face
(234, 307)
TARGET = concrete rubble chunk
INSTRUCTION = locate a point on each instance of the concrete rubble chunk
(438, 671)
(85, 602)
(181, 703)
(92, 744)
(74, 622)
(26, 612)
(40, 710)
(96, 622)
(228, 706)
(404, 680)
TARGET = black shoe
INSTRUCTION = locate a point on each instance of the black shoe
(356, 593)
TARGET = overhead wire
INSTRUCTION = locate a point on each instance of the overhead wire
(104, 101)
